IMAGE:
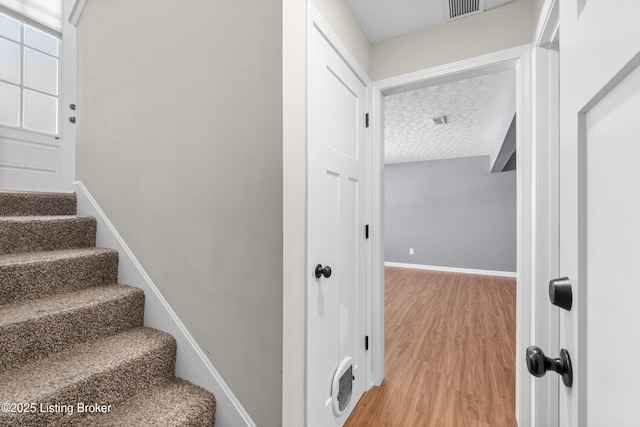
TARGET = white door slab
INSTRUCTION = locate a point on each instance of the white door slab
(599, 209)
(336, 164)
(37, 149)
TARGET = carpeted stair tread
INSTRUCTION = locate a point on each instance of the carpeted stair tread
(105, 371)
(71, 301)
(33, 329)
(43, 233)
(54, 255)
(14, 203)
(70, 335)
(176, 403)
(32, 275)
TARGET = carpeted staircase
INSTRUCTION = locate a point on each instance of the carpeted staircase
(73, 348)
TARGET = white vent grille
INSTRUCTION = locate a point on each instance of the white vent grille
(457, 9)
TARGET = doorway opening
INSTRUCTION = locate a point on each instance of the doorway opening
(503, 63)
(450, 176)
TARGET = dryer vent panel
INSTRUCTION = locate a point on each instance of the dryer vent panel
(457, 9)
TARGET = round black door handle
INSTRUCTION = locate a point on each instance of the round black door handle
(538, 364)
(323, 271)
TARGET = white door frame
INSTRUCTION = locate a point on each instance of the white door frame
(518, 59)
(68, 70)
(545, 324)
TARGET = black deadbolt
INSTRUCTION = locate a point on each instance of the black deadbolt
(560, 293)
(538, 364)
(320, 271)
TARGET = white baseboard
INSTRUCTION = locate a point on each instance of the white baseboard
(191, 362)
(453, 269)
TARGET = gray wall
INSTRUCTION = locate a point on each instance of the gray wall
(180, 142)
(453, 212)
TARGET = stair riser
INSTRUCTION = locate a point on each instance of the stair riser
(36, 338)
(17, 204)
(108, 388)
(38, 235)
(20, 282)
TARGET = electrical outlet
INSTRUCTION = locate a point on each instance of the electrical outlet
(410, 251)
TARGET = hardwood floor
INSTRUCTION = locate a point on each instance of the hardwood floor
(450, 352)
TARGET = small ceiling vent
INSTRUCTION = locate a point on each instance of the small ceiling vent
(442, 120)
(457, 9)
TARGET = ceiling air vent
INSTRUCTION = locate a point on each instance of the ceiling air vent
(457, 9)
(442, 120)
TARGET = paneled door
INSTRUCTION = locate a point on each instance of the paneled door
(37, 103)
(600, 210)
(336, 235)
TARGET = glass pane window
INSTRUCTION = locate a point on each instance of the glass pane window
(9, 28)
(40, 71)
(40, 40)
(9, 104)
(29, 76)
(40, 112)
(10, 63)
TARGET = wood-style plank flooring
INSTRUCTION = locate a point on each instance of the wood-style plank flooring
(450, 352)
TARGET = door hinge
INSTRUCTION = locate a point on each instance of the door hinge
(366, 231)
(366, 120)
(366, 342)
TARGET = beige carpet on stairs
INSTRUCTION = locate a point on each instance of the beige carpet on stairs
(73, 347)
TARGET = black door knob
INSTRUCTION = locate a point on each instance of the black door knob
(538, 364)
(323, 271)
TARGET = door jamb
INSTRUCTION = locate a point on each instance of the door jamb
(545, 326)
(68, 70)
(519, 59)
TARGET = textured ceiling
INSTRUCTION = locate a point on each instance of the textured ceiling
(384, 19)
(475, 109)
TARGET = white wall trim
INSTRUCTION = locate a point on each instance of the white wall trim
(376, 287)
(473, 67)
(191, 362)
(548, 23)
(518, 58)
(453, 269)
(76, 12)
(525, 202)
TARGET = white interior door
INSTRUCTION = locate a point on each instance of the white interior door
(335, 304)
(37, 86)
(600, 209)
